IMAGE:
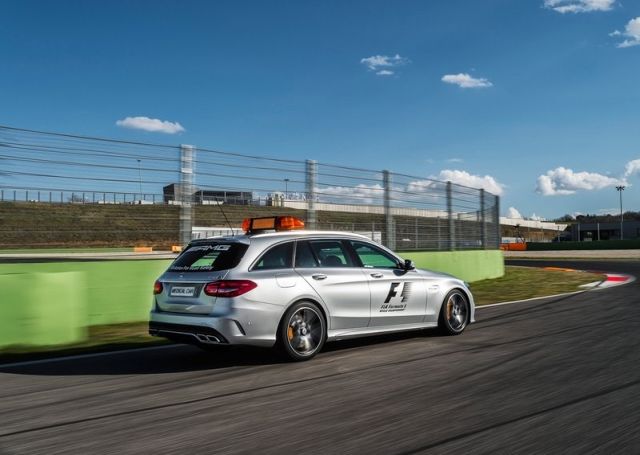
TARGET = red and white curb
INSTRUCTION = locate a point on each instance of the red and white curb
(611, 280)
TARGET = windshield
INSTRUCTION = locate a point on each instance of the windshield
(209, 258)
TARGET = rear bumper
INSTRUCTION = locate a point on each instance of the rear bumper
(209, 330)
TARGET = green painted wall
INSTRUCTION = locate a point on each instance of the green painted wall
(472, 265)
(42, 308)
(53, 303)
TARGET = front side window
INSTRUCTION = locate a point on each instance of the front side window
(374, 258)
(210, 257)
(277, 257)
(331, 253)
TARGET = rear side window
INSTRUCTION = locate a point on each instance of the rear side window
(277, 257)
(331, 253)
(209, 258)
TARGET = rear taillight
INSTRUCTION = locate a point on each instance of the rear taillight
(229, 288)
(157, 288)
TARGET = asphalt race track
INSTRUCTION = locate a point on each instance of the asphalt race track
(560, 375)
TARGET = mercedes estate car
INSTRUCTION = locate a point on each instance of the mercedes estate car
(278, 285)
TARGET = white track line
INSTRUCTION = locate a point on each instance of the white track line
(599, 287)
(87, 356)
(528, 300)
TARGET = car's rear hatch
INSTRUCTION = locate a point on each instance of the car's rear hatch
(183, 284)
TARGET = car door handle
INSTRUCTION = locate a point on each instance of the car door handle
(377, 275)
(319, 276)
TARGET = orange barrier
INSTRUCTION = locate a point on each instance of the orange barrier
(513, 246)
(176, 249)
(142, 249)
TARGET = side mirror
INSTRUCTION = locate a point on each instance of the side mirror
(409, 265)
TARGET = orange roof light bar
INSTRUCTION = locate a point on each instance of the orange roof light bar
(277, 223)
(289, 223)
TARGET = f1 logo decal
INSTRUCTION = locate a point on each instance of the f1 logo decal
(392, 292)
(406, 291)
(403, 296)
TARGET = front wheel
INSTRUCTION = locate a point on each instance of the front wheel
(454, 313)
(302, 332)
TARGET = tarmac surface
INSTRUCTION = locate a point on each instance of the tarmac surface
(560, 375)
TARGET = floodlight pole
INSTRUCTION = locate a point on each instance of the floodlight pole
(140, 178)
(620, 190)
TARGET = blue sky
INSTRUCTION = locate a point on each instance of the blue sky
(551, 85)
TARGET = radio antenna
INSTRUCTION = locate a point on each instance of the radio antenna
(219, 204)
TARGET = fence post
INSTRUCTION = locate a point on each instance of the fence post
(390, 234)
(497, 221)
(310, 177)
(452, 225)
(187, 155)
(483, 224)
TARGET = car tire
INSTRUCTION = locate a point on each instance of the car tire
(454, 313)
(302, 332)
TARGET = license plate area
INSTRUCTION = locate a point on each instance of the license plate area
(183, 291)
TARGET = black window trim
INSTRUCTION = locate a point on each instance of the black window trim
(313, 253)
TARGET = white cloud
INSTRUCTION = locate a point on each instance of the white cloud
(360, 194)
(632, 168)
(607, 211)
(465, 80)
(381, 64)
(563, 181)
(535, 217)
(486, 182)
(631, 33)
(153, 125)
(514, 213)
(579, 6)
(455, 160)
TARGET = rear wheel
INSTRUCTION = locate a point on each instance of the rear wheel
(454, 313)
(302, 332)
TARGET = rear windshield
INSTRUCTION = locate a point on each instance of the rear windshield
(209, 258)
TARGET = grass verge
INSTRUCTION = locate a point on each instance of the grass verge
(518, 283)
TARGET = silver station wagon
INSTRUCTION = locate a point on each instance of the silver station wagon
(279, 285)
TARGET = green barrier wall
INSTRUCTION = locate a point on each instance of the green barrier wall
(53, 303)
(42, 308)
(472, 265)
(112, 291)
